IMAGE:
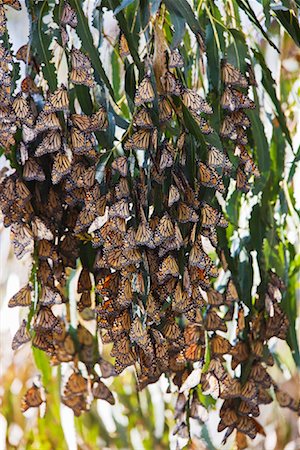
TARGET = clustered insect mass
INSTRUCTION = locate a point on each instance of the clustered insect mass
(141, 234)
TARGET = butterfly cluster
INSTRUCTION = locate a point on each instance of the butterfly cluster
(145, 238)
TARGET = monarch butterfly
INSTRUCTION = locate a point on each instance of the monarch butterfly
(194, 333)
(186, 214)
(240, 118)
(217, 368)
(28, 86)
(22, 192)
(202, 123)
(33, 171)
(242, 183)
(192, 100)
(164, 109)
(21, 337)
(228, 419)
(220, 345)
(251, 75)
(145, 92)
(230, 388)
(175, 59)
(20, 107)
(170, 84)
(244, 102)
(21, 298)
(140, 140)
(247, 425)
(32, 398)
(153, 308)
(214, 297)
(164, 229)
(122, 189)
(246, 409)
(69, 16)
(212, 217)
(209, 177)
(231, 75)
(228, 128)
(2, 21)
(46, 122)
(249, 392)
(85, 301)
(120, 209)
(285, 400)
(84, 281)
(171, 330)
(138, 333)
(210, 385)
(174, 195)
(231, 294)
(99, 121)
(144, 235)
(214, 322)
(58, 101)
(76, 402)
(50, 297)
(121, 165)
(45, 320)
(76, 384)
(166, 159)
(260, 375)
(125, 297)
(241, 137)
(43, 341)
(249, 165)
(12, 3)
(79, 60)
(107, 369)
(81, 121)
(45, 273)
(115, 259)
(142, 119)
(47, 250)
(5, 90)
(82, 76)
(123, 46)
(61, 166)
(40, 230)
(197, 256)
(101, 391)
(181, 302)
(229, 101)
(81, 142)
(50, 143)
(168, 266)
(22, 240)
(263, 397)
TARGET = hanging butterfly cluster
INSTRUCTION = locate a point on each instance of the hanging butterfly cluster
(150, 229)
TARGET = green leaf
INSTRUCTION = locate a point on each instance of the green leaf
(42, 362)
(179, 29)
(269, 83)
(288, 21)
(123, 5)
(41, 41)
(245, 6)
(86, 37)
(132, 38)
(261, 145)
(182, 9)
(213, 58)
